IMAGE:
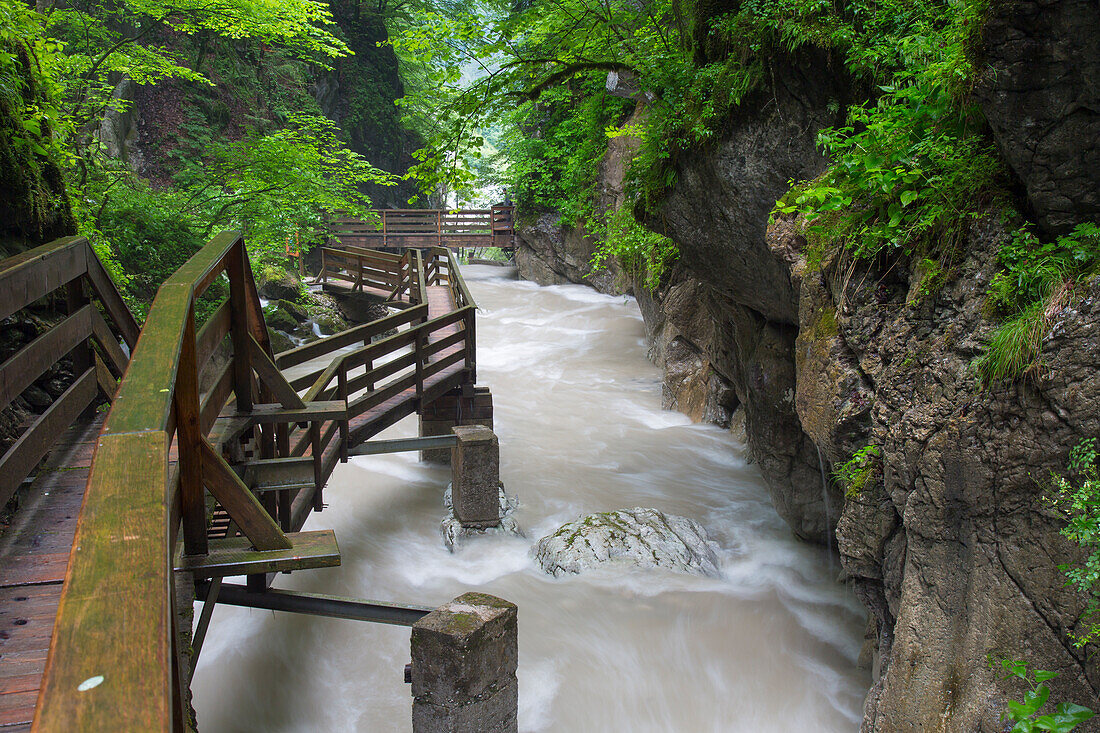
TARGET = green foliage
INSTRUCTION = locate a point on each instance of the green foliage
(554, 148)
(1033, 269)
(1024, 715)
(144, 238)
(644, 254)
(275, 185)
(856, 473)
(908, 170)
(1078, 498)
(1036, 283)
(932, 279)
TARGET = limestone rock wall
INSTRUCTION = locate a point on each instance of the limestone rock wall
(950, 545)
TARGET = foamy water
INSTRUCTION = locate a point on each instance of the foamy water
(769, 646)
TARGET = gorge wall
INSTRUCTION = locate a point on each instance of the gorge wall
(950, 545)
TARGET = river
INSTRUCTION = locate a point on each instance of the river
(770, 646)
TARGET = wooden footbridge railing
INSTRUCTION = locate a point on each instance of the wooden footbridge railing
(209, 460)
(492, 227)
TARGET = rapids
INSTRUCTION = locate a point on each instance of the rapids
(770, 646)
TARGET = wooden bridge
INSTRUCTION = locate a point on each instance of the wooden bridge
(454, 229)
(206, 465)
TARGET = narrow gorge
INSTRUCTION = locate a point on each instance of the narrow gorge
(811, 356)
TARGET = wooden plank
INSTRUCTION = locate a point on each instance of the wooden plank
(235, 556)
(242, 370)
(116, 359)
(275, 471)
(379, 396)
(29, 363)
(112, 301)
(210, 406)
(377, 374)
(144, 400)
(38, 272)
(25, 454)
(189, 439)
(364, 332)
(436, 367)
(444, 343)
(256, 524)
(114, 618)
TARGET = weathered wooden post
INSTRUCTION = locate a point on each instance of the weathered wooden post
(475, 477)
(464, 657)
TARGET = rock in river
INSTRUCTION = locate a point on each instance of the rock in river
(644, 538)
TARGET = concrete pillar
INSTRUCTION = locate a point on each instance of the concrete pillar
(475, 407)
(475, 477)
(464, 657)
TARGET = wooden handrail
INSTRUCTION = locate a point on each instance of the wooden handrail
(116, 617)
(116, 621)
(68, 265)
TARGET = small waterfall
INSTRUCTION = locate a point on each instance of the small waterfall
(829, 553)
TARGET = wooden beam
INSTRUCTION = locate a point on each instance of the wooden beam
(29, 363)
(256, 524)
(273, 378)
(189, 441)
(38, 272)
(24, 455)
(319, 410)
(235, 556)
(108, 385)
(116, 359)
(112, 301)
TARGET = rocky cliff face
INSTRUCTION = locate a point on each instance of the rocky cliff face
(950, 545)
(550, 251)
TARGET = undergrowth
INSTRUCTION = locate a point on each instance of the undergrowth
(1077, 497)
(1037, 281)
(646, 255)
(856, 473)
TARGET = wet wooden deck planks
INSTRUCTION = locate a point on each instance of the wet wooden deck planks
(34, 554)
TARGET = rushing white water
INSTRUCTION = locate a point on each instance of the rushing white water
(771, 646)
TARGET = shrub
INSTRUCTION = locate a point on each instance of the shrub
(1079, 501)
(856, 473)
(1025, 715)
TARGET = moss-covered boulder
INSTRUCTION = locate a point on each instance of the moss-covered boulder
(279, 319)
(277, 283)
(34, 205)
(641, 538)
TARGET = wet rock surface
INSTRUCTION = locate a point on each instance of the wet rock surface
(1040, 92)
(639, 537)
(455, 535)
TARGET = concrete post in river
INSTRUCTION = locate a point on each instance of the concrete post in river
(470, 407)
(464, 658)
(475, 477)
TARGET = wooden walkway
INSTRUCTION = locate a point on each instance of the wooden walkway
(205, 466)
(400, 228)
(34, 554)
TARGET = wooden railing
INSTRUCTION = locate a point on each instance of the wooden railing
(492, 227)
(405, 363)
(113, 656)
(247, 438)
(67, 268)
(395, 275)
